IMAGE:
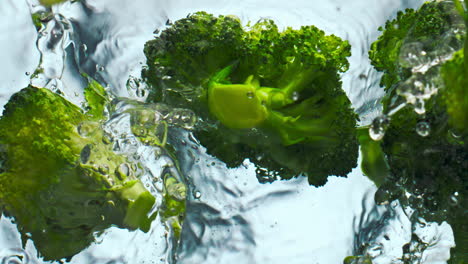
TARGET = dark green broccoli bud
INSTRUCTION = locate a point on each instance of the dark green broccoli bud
(59, 178)
(425, 144)
(273, 97)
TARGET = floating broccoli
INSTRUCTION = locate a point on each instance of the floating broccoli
(425, 141)
(60, 178)
(273, 97)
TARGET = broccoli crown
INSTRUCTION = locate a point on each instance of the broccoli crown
(427, 152)
(59, 178)
(432, 168)
(273, 97)
(427, 28)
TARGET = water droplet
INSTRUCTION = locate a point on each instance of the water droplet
(259, 157)
(27, 73)
(419, 107)
(85, 153)
(123, 171)
(250, 95)
(453, 200)
(197, 194)
(378, 127)
(423, 129)
(99, 68)
(455, 134)
(166, 78)
(295, 96)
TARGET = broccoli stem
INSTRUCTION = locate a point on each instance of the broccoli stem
(244, 105)
(292, 130)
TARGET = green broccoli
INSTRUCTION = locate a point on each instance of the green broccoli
(454, 74)
(52, 2)
(60, 178)
(373, 163)
(426, 150)
(415, 28)
(273, 97)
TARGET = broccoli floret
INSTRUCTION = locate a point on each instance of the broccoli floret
(59, 178)
(427, 27)
(273, 97)
(427, 151)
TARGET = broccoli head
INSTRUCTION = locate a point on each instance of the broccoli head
(59, 178)
(273, 97)
(427, 150)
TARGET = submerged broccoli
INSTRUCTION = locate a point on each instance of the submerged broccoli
(273, 97)
(60, 178)
(425, 143)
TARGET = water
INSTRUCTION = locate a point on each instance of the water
(230, 217)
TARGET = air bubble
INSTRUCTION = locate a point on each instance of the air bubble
(453, 199)
(197, 194)
(423, 129)
(99, 68)
(378, 127)
(250, 95)
(123, 171)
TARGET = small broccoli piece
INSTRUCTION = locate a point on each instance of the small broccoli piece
(273, 97)
(59, 178)
(427, 152)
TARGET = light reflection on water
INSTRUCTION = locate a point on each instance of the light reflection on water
(231, 218)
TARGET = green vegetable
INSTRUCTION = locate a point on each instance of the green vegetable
(373, 163)
(60, 179)
(426, 28)
(273, 97)
(455, 76)
(427, 151)
(51, 2)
